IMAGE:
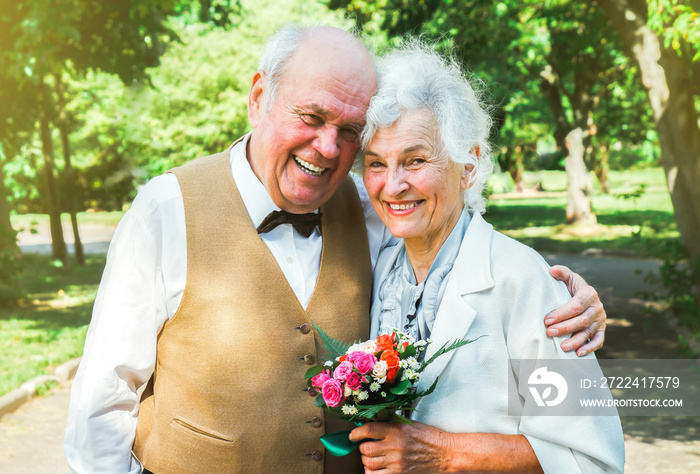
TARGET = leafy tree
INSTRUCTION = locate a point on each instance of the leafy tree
(662, 38)
(47, 37)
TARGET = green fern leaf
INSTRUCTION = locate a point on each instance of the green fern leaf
(333, 347)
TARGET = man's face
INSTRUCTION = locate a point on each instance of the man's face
(304, 146)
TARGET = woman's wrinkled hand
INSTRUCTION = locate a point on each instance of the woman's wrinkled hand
(402, 448)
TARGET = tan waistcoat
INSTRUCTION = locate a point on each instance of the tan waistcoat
(228, 393)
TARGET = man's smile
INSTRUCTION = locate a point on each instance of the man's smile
(309, 168)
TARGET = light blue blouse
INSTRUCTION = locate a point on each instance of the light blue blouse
(409, 307)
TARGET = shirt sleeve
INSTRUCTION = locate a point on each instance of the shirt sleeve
(378, 234)
(120, 349)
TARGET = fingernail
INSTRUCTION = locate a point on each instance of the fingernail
(549, 321)
(566, 347)
(553, 332)
(581, 353)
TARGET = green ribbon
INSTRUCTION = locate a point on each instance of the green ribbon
(338, 443)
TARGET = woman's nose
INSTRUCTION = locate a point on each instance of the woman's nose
(396, 182)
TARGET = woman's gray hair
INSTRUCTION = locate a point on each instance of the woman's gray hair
(415, 77)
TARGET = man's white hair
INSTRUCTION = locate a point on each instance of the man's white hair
(415, 77)
(279, 50)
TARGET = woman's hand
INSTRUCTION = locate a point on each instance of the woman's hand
(583, 315)
(402, 448)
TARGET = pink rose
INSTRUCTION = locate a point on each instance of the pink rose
(364, 361)
(332, 393)
(342, 371)
(354, 380)
(320, 379)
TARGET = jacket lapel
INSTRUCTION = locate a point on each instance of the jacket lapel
(471, 273)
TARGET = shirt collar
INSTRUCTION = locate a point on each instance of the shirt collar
(255, 197)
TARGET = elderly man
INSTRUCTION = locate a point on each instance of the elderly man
(216, 272)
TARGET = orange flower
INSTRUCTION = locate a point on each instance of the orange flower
(392, 361)
(385, 342)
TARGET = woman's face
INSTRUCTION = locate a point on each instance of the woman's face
(415, 188)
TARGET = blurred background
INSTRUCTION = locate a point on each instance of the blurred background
(596, 136)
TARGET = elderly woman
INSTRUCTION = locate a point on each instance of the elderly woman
(426, 162)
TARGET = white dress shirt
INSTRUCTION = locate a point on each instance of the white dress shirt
(141, 289)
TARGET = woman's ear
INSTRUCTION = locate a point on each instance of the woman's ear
(257, 99)
(467, 180)
(468, 172)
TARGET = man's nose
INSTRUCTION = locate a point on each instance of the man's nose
(326, 143)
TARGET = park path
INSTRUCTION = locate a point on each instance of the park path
(31, 437)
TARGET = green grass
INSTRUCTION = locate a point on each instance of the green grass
(627, 226)
(49, 326)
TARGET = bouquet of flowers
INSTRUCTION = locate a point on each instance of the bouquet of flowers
(375, 380)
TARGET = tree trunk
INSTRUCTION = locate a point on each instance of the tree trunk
(600, 164)
(578, 208)
(70, 177)
(8, 235)
(58, 245)
(516, 169)
(667, 78)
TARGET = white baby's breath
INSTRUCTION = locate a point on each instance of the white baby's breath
(363, 395)
(349, 410)
(375, 386)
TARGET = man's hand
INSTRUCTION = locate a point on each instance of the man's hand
(401, 448)
(583, 315)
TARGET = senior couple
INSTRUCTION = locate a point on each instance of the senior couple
(201, 330)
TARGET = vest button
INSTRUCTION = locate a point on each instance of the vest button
(316, 455)
(312, 391)
(309, 359)
(305, 328)
(316, 422)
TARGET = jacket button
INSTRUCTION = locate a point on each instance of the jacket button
(316, 455)
(316, 422)
(309, 359)
(305, 328)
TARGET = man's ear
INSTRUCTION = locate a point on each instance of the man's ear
(256, 99)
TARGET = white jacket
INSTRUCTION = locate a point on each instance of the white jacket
(501, 288)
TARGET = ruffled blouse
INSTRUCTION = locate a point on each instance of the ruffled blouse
(411, 307)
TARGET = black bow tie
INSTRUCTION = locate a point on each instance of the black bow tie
(303, 223)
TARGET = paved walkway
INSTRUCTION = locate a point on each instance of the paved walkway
(30, 438)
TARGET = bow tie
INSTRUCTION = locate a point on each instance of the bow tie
(302, 223)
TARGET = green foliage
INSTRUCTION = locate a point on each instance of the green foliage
(447, 347)
(678, 22)
(680, 281)
(11, 269)
(334, 348)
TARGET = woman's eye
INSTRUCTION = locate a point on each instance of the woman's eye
(417, 161)
(374, 164)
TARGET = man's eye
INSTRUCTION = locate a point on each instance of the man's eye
(311, 119)
(350, 133)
